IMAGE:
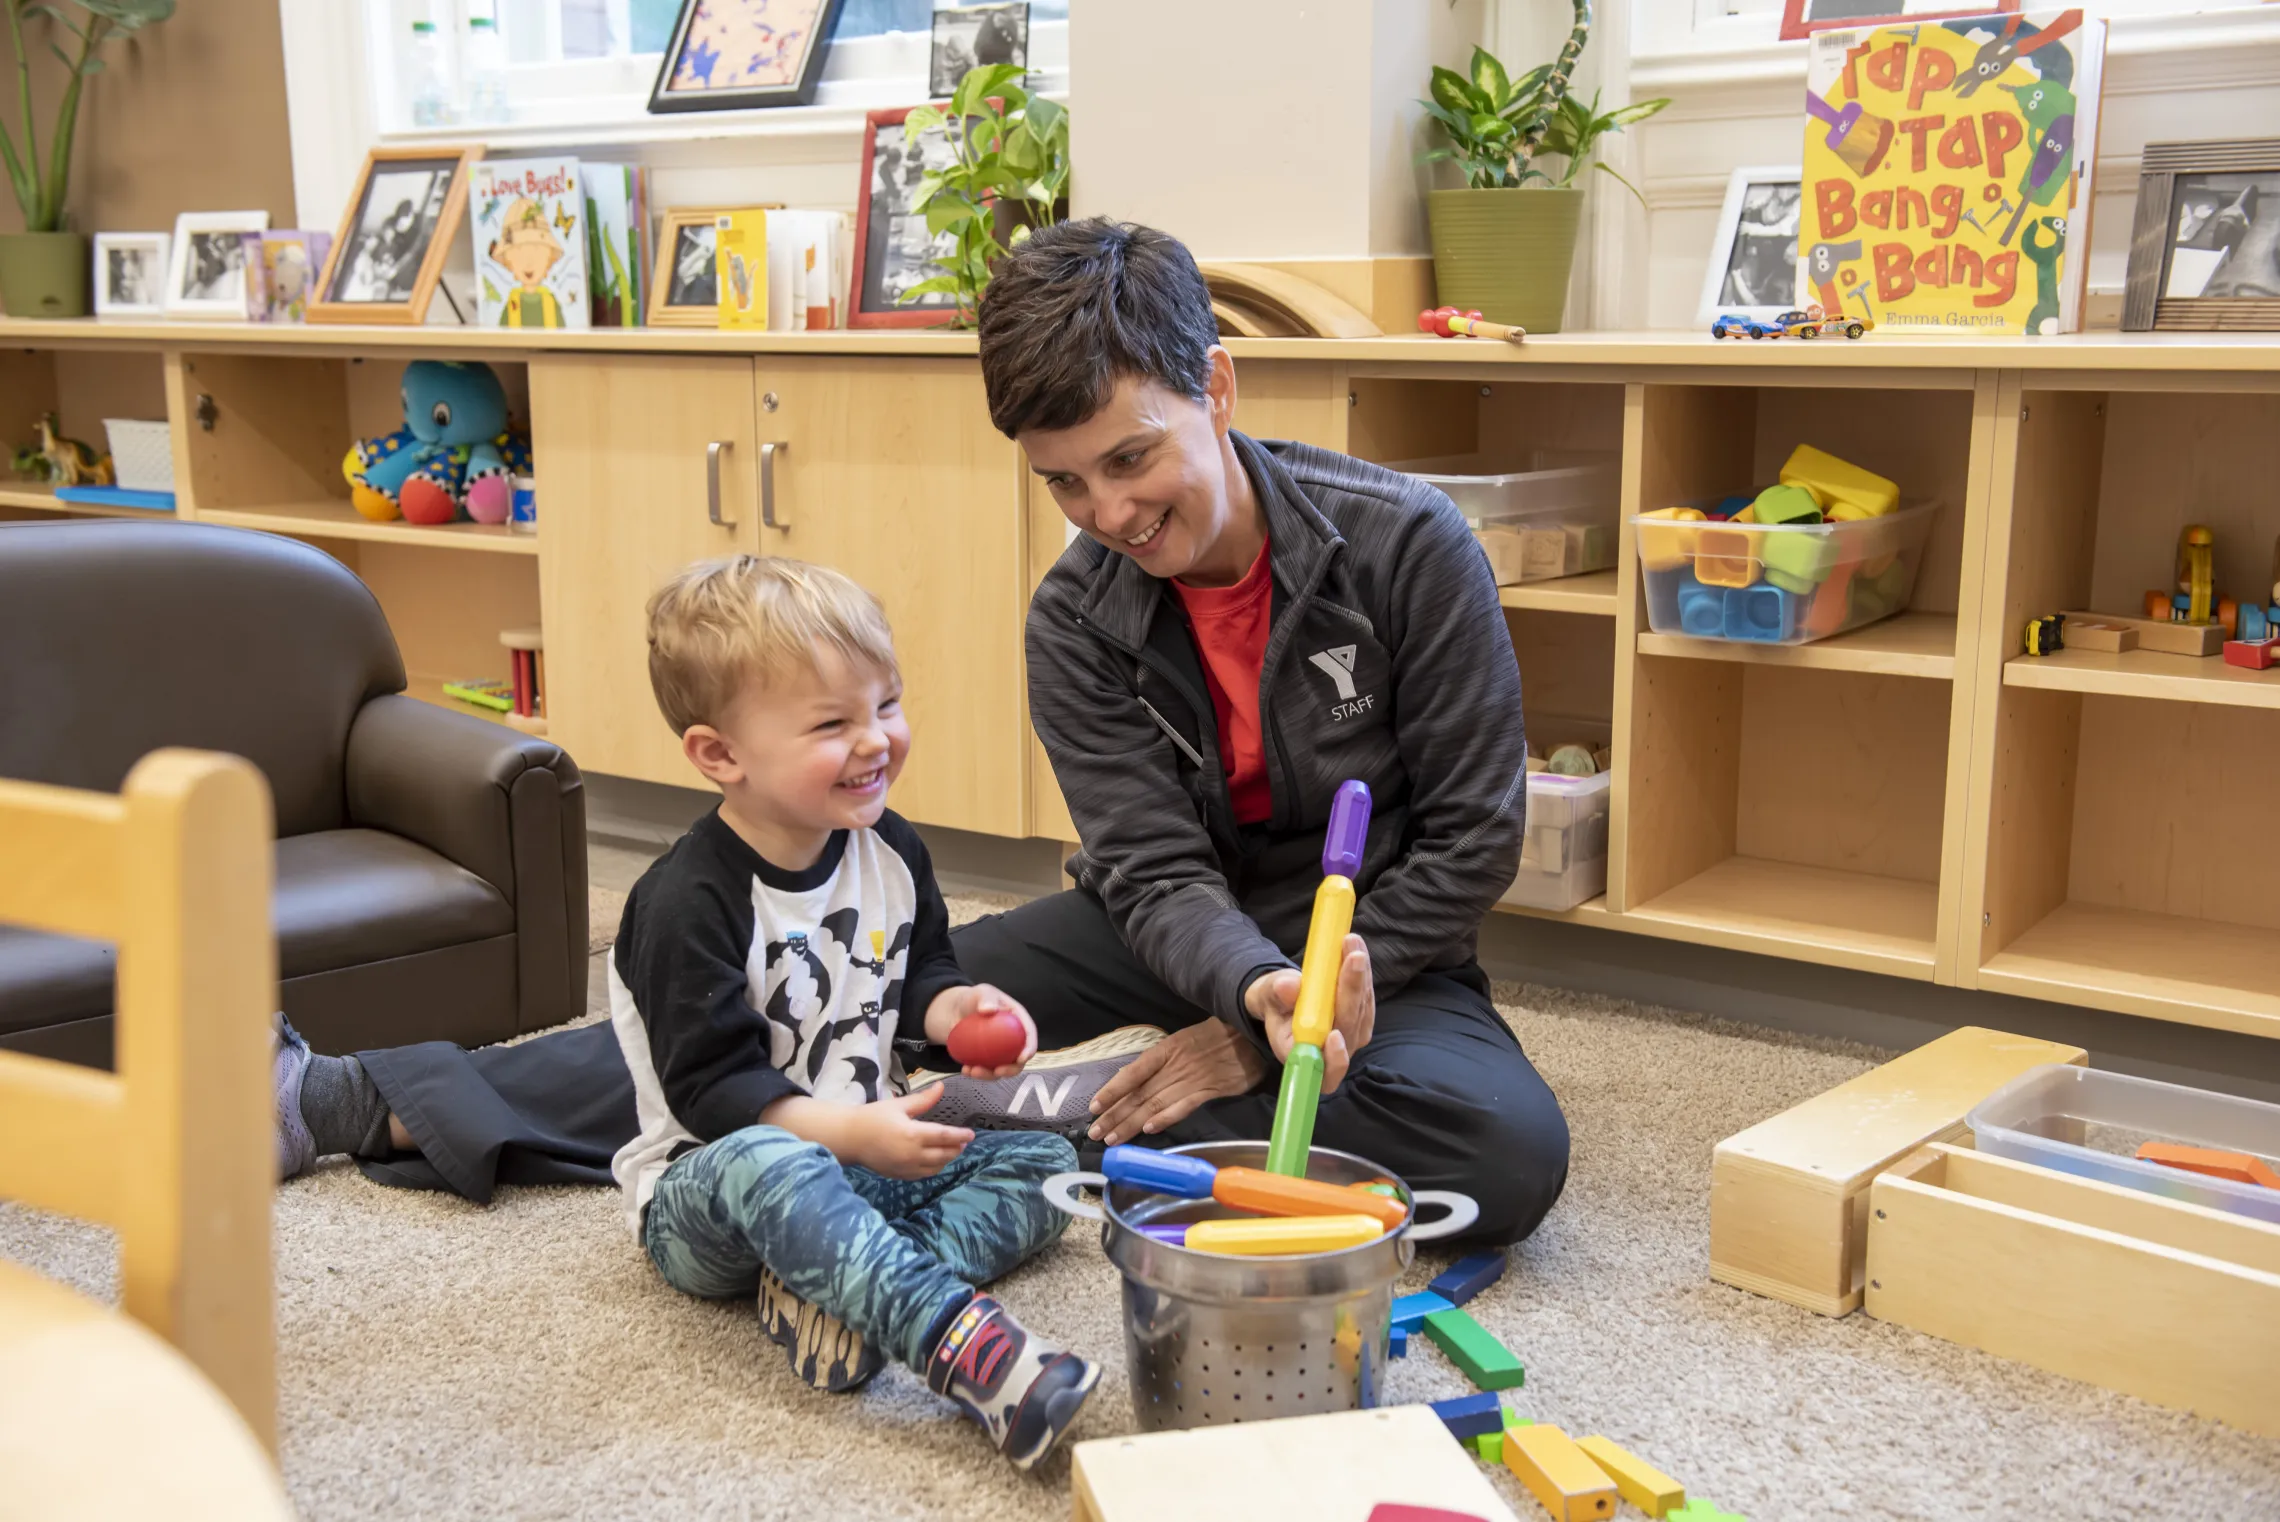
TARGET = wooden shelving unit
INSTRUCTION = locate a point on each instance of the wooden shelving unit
(2145, 674)
(1911, 644)
(2164, 966)
(337, 520)
(1813, 914)
(1592, 593)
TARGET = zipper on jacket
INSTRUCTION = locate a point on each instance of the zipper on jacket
(1196, 702)
(1270, 723)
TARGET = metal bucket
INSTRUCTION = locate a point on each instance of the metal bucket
(1211, 1339)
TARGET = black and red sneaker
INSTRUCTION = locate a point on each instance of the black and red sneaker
(1024, 1391)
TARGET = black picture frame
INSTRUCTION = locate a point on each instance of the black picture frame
(2168, 172)
(816, 19)
(1000, 34)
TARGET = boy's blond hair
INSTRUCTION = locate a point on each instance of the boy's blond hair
(720, 625)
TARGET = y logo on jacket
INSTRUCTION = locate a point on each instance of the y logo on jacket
(1337, 663)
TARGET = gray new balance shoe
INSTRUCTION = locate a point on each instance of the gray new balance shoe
(1054, 1093)
(288, 1064)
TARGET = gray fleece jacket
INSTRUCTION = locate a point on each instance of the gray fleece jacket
(1387, 659)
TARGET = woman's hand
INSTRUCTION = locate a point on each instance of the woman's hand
(1273, 999)
(1158, 1088)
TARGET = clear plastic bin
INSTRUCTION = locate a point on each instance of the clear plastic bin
(1563, 849)
(2081, 1121)
(1778, 584)
(1556, 519)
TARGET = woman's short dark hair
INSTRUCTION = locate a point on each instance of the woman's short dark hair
(1081, 305)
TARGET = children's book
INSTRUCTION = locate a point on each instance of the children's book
(529, 221)
(613, 245)
(740, 251)
(1947, 172)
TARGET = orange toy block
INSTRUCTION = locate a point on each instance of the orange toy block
(2239, 1167)
(1275, 1194)
(1636, 1480)
(1558, 1473)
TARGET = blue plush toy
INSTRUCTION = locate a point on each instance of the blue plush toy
(456, 451)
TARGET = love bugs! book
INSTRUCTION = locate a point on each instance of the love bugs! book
(1947, 172)
(740, 243)
(529, 222)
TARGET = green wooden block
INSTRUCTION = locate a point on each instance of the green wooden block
(1702, 1511)
(1474, 1349)
(1490, 1447)
(1514, 1419)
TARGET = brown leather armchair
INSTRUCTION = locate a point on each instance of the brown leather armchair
(431, 866)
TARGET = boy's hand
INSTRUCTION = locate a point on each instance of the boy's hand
(889, 1137)
(1273, 999)
(955, 1004)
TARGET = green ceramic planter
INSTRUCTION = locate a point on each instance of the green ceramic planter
(1505, 252)
(43, 274)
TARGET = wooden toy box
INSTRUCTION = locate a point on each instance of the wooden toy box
(1789, 1196)
(2176, 1303)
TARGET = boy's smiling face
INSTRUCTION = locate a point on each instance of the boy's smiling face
(811, 751)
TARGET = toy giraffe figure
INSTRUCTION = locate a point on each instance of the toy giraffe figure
(71, 463)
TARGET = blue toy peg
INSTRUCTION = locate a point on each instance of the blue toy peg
(1190, 1178)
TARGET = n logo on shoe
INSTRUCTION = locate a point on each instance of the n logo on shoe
(1336, 663)
(1048, 1100)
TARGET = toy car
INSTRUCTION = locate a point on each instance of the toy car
(1812, 322)
(1735, 325)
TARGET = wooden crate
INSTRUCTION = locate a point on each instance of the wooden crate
(1330, 1468)
(2176, 1303)
(1788, 1197)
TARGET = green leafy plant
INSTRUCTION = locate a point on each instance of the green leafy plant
(1009, 175)
(39, 188)
(1497, 125)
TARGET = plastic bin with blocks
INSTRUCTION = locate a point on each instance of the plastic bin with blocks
(1556, 518)
(1563, 848)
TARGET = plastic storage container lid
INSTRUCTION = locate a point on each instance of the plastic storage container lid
(1490, 499)
(2033, 1118)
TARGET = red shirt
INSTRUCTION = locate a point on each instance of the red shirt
(1230, 628)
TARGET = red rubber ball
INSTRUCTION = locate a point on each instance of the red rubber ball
(992, 1040)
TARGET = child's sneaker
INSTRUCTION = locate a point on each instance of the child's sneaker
(825, 1352)
(288, 1064)
(1024, 1391)
(1053, 1093)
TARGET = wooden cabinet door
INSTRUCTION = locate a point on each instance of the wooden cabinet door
(891, 472)
(624, 450)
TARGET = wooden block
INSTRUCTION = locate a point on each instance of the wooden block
(2158, 634)
(1467, 1277)
(1397, 1342)
(2175, 1303)
(1788, 1196)
(1337, 1467)
(1636, 1480)
(1410, 1311)
(1490, 1446)
(2094, 635)
(1470, 1416)
(2240, 1167)
(1558, 1473)
(1703, 1511)
(1473, 1348)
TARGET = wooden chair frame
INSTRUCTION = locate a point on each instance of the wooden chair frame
(174, 1150)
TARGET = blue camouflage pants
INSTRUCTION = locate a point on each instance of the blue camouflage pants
(889, 1257)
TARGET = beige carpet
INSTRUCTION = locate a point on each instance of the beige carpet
(440, 1360)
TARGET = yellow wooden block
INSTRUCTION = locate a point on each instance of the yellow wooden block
(1558, 1473)
(1636, 1480)
(1840, 483)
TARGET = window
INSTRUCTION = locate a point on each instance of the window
(587, 65)
(1670, 31)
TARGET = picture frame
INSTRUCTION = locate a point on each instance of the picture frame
(1802, 18)
(395, 233)
(739, 55)
(893, 250)
(966, 37)
(2205, 245)
(684, 281)
(1746, 260)
(131, 274)
(205, 273)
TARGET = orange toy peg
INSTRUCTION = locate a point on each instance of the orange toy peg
(1278, 1195)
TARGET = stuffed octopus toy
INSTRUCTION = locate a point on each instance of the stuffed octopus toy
(457, 453)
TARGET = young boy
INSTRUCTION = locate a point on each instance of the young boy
(768, 968)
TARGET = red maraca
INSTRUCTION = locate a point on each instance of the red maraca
(994, 1039)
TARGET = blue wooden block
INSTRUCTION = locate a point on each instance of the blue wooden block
(1397, 1342)
(1702, 610)
(1763, 612)
(1467, 1277)
(1468, 1416)
(1410, 1311)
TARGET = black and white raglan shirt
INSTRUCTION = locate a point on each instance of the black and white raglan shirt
(736, 983)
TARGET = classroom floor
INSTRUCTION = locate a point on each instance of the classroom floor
(437, 1359)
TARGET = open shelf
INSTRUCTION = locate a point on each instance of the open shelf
(1908, 644)
(2146, 674)
(429, 689)
(1813, 914)
(42, 499)
(337, 520)
(2164, 966)
(1593, 592)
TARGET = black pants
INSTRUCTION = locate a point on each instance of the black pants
(1442, 1095)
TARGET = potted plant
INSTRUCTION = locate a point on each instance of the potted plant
(1504, 243)
(43, 269)
(1010, 175)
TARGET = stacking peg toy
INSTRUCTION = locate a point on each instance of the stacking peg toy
(1292, 1137)
(1279, 1235)
(1190, 1178)
(1273, 1194)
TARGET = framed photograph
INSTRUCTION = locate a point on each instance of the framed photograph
(967, 37)
(281, 272)
(893, 249)
(207, 276)
(2205, 249)
(732, 55)
(1802, 18)
(130, 274)
(1753, 261)
(684, 288)
(394, 237)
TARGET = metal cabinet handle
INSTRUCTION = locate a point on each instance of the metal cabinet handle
(768, 454)
(712, 482)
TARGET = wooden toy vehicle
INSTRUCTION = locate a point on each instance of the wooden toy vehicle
(1735, 325)
(2045, 636)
